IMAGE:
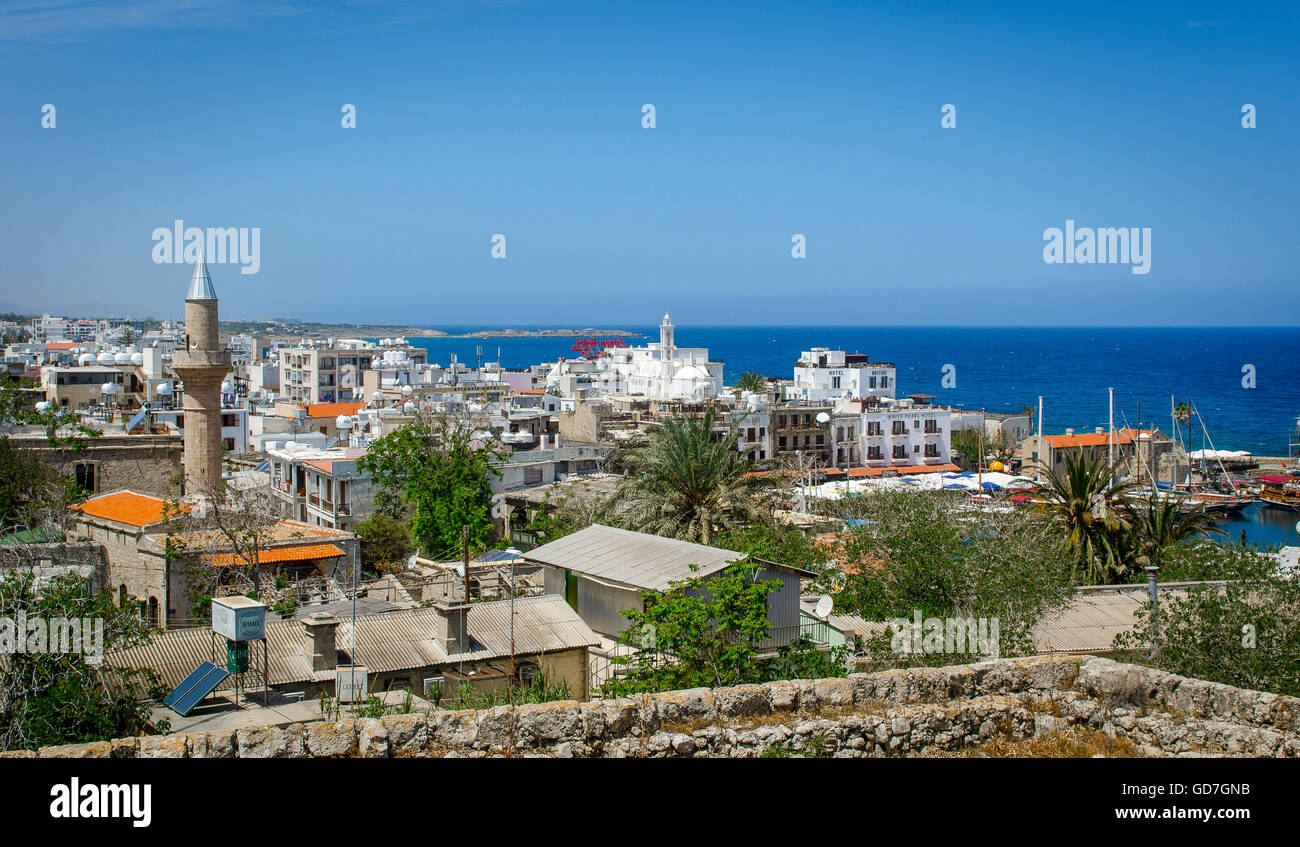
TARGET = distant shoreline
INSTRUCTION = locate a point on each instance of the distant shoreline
(317, 330)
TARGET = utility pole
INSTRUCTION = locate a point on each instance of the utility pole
(1038, 466)
(464, 557)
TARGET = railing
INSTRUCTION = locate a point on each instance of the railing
(780, 636)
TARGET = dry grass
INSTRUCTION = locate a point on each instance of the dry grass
(1073, 743)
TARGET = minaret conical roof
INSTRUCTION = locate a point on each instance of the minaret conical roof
(201, 283)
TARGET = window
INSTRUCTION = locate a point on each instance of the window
(900, 451)
(932, 451)
(900, 427)
(85, 476)
(873, 453)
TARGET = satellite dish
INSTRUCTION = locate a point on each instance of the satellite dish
(1297, 526)
(824, 606)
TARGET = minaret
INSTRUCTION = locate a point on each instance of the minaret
(202, 366)
(666, 355)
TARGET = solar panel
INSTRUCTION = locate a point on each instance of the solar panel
(136, 421)
(195, 687)
(264, 466)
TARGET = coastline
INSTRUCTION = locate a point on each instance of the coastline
(321, 330)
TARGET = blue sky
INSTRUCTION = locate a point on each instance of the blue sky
(476, 118)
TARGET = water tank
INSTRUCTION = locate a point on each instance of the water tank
(343, 422)
(105, 358)
(86, 360)
(121, 358)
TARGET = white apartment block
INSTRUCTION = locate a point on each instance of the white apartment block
(320, 487)
(333, 373)
(822, 375)
(893, 434)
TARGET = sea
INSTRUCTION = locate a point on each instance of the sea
(1244, 381)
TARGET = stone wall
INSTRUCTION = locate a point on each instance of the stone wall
(895, 713)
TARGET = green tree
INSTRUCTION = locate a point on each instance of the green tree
(1085, 504)
(688, 481)
(749, 381)
(920, 554)
(437, 467)
(1243, 631)
(387, 543)
(772, 541)
(49, 698)
(700, 632)
(32, 493)
(1158, 525)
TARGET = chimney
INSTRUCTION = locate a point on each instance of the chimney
(1100, 430)
(321, 649)
(1069, 432)
(450, 627)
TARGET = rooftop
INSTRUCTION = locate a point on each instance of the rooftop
(386, 642)
(126, 507)
(632, 558)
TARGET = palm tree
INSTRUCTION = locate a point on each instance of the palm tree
(749, 381)
(1159, 525)
(1082, 500)
(687, 482)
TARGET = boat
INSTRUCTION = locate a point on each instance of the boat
(1280, 492)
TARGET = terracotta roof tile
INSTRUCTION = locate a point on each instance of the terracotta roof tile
(126, 507)
(331, 410)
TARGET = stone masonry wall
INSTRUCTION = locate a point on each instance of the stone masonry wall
(894, 713)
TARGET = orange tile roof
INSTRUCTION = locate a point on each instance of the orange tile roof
(331, 410)
(1087, 439)
(127, 507)
(905, 470)
(298, 553)
(60, 345)
(321, 464)
(530, 391)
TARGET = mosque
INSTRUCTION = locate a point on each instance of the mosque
(660, 371)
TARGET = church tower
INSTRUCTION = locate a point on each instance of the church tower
(202, 365)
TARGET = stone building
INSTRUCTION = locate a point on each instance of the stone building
(202, 366)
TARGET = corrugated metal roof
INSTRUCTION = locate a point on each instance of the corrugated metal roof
(631, 558)
(1094, 616)
(393, 641)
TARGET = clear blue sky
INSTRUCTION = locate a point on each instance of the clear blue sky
(520, 118)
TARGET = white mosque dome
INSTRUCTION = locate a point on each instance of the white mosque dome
(691, 372)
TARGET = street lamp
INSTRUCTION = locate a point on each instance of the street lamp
(515, 555)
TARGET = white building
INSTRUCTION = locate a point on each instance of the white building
(661, 371)
(822, 375)
(892, 434)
